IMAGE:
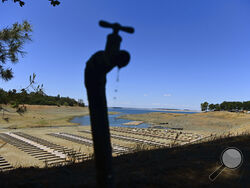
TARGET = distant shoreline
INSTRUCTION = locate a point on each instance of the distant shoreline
(203, 123)
(42, 116)
(177, 110)
(158, 109)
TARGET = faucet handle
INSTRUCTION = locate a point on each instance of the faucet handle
(116, 27)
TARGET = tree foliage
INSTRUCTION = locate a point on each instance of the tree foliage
(12, 41)
(35, 98)
(228, 106)
(22, 3)
(211, 107)
(11, 46)
(204, 106)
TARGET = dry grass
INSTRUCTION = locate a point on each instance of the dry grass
(42, 116)
(149, 166)
(18, 158)
(204, 123)
(143, 147)
(183, 166)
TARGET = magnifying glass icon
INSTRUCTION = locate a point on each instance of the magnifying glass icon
(231, 158)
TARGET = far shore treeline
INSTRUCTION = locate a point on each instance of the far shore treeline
(234, 106)
(35, 98)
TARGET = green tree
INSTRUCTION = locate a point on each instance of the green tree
(16, 98)
(204, 106)
(238, 105)
(224, 106)
(3, 97)
(211, 107)
(12, 41)
(80, 102)
(217, 107)
(246, 105)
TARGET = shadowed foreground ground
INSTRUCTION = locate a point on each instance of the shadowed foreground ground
(187, 166)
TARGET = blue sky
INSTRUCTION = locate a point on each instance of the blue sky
(182, 52)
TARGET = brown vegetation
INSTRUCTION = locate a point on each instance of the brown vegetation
(209, 122)
(41, 116)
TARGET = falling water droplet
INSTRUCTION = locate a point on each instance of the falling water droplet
(116, 88)
(117, 78)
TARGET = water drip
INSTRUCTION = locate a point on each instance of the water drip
(116, 88)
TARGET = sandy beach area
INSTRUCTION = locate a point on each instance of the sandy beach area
(40, 121)
(201, 123)
(204, 123)
(176, 110)
(41, 116)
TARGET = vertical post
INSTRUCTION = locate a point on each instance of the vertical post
(96, 70)
(101, 136)
(95, 81)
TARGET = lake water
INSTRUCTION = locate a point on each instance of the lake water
(115, 122)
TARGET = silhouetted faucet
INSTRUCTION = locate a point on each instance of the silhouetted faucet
(96, 70)
(113, 39)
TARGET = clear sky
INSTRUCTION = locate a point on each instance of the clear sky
(182, 52)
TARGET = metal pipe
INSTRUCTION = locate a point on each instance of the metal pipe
(96, 70)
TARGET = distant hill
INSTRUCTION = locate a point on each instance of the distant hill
(35, 98)
(168, 109)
